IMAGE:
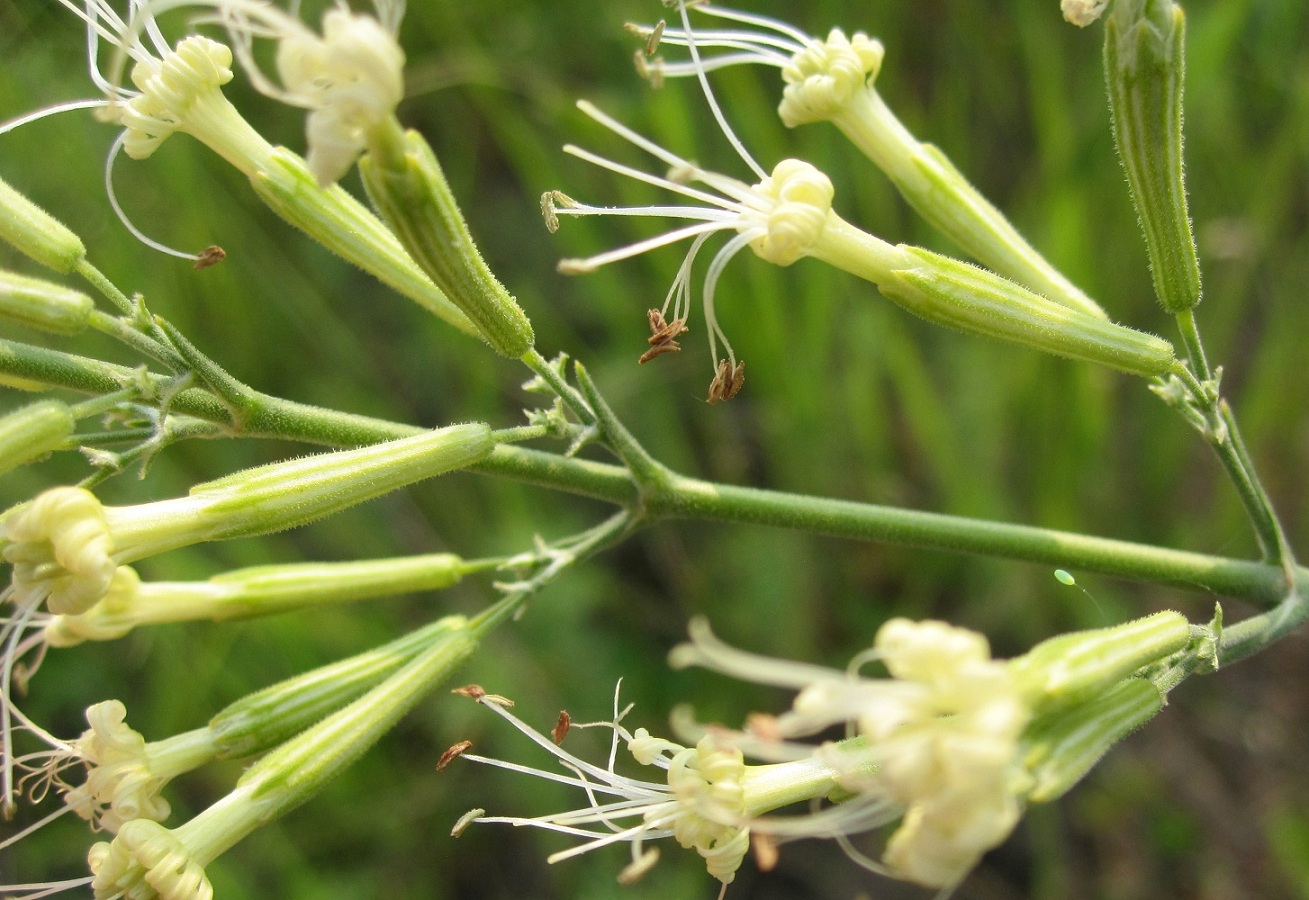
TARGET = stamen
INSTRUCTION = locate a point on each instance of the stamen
(713, 101)
(122, 214)
(37, 114)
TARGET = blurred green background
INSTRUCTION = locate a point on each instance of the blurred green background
(846, 396)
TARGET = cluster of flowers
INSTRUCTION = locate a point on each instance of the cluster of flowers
(951, 745)
(948, 748)
(787, 214)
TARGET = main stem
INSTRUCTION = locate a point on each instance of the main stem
(679, 497)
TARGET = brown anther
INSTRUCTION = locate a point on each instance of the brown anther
(727, 382)
(471, 691)
(765, 851)
(454, 752)
(662, 335)
(670, 347)
(661, 330)
(561, 727)
(209, 256)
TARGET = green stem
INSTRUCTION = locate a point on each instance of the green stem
(1190, 332)
(685, 498)
(1240, 470)
(97, 279)
(1225, 438)
(121, 330)
(570, 552)
(519, 433)
(547, 373)
(648, 472)
(693, 499)
(1251, 635)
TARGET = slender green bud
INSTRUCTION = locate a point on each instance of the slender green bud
(32, 432)
(288, 494)
(834, 80)
(244, 593)
(43, 305)
(66, 547)
(345, 226)
(266, 718)
(1060, 748)
(1070, 668)
(37, 234)
(949, 292)
(1144, 63)
(411, 193)
(148, 860)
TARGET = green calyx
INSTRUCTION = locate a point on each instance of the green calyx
(412, 195)
(960, 295)
(1144, 63)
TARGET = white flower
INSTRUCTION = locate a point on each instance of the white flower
(700, 803)
(351, 80)
(781, 218)
(821, 76)
(940, 736)
(832, 80)
(709, 800)
(146, 860)
(120, 785)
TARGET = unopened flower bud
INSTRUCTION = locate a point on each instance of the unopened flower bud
(345, 226)
(1144, 62)
(960, 295)
(1061, 747)
(43, 305)
(37, 234)
(33, 431)
(413, 197)
(1070, 668)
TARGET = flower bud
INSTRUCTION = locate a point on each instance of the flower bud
(343, 225)
(266, 718)
(1144, 66)
(1061, 748)
(43, 305)
(963, 296)
(413, 197)
(244, 593)
(32, 432)
(1070, 668)
(285, 495)
(37, 234)
(65, 546)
